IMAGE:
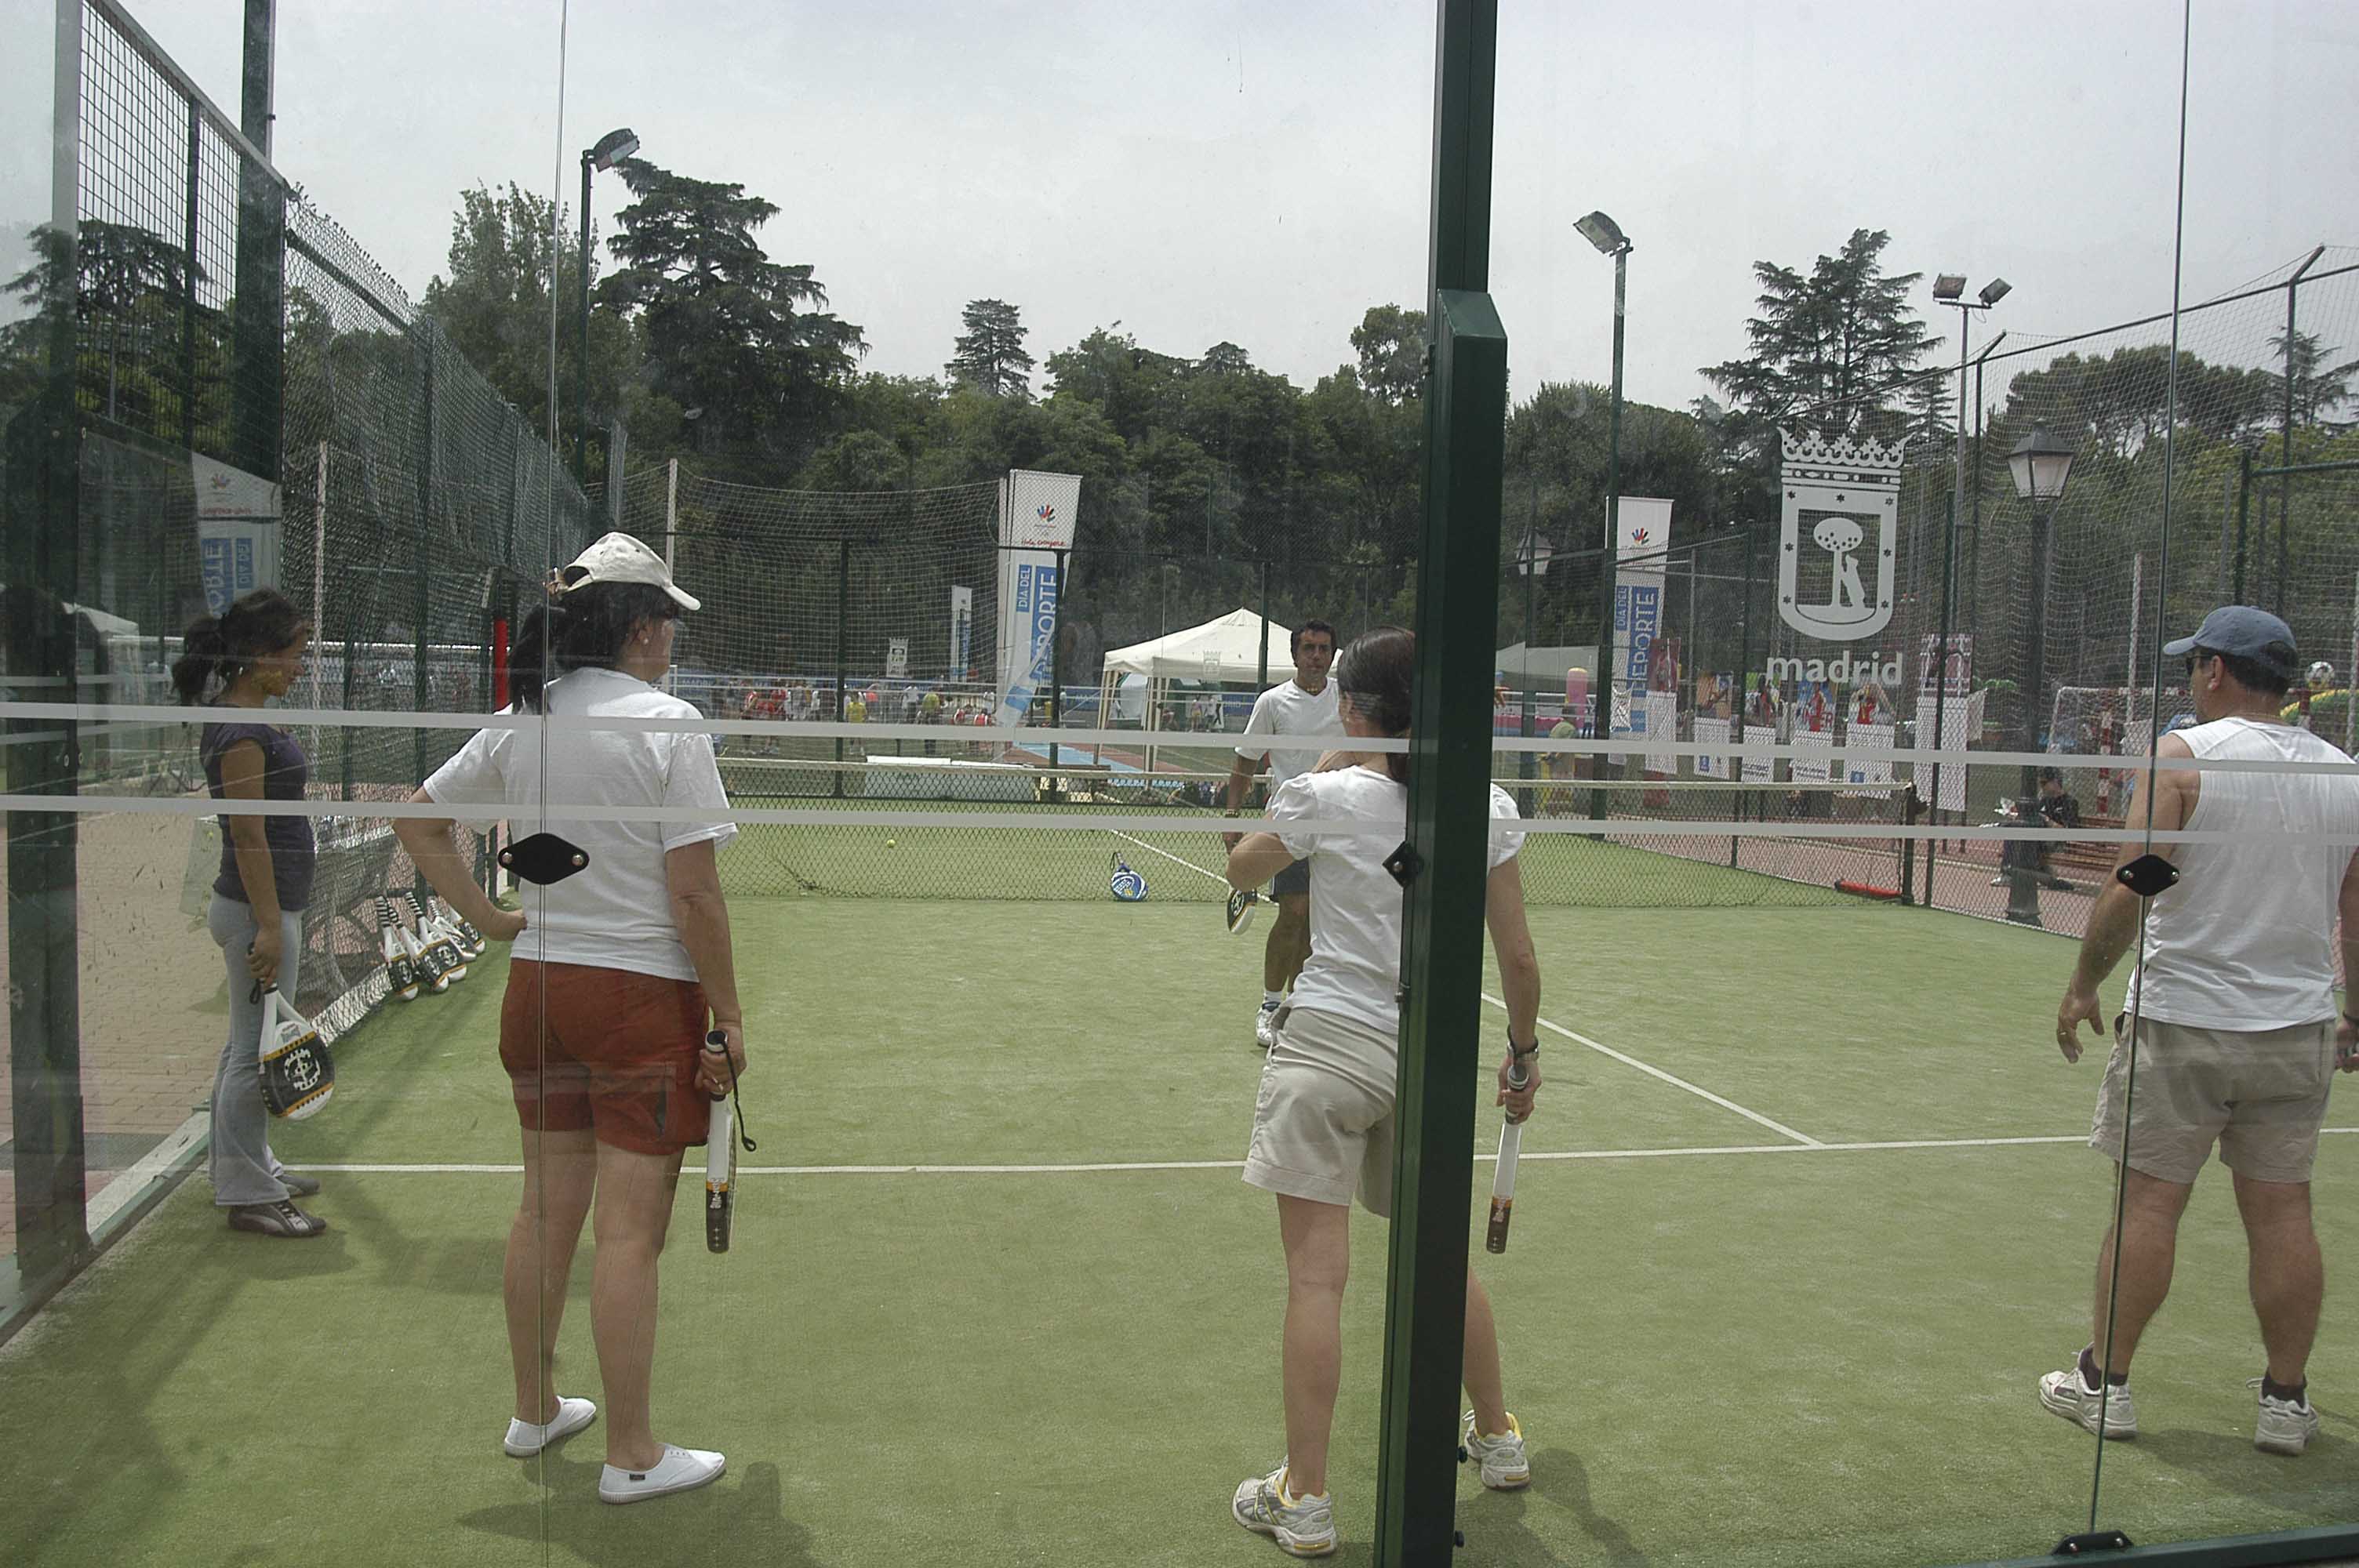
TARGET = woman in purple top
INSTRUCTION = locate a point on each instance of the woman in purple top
(232, 665)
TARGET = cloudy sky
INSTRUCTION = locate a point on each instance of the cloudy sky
(1202, 169)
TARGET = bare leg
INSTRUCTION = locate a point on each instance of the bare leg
(634, 1200)
(1480, 1361)
(1290, 942)
(1318, 1261)
(2148, 1244)
(2288, 1276)
(560, 1171)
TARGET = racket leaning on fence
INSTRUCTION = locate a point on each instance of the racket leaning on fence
(1503, 1176)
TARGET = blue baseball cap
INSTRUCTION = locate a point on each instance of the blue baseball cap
(2244, 632)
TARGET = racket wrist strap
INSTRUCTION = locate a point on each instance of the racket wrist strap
(1520, 1051)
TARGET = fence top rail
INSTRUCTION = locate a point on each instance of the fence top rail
(148, 50)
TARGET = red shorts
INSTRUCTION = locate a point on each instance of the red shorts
(610, 1050)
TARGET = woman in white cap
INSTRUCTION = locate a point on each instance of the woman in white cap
(604, 1029)
(1323, 1127)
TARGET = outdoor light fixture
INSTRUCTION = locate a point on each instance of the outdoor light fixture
(1948, 285)
(611, 148)
(1604, 232)
(2041, 465)
(1533, 553)
(1994, 291)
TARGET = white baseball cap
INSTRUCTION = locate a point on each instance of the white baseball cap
(619, 558)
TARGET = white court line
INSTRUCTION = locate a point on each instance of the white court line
(1672, 1079)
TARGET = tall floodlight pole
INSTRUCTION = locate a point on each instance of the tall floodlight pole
(611, 148)
(2040, 465)
(1532, 557)
(1607, 234)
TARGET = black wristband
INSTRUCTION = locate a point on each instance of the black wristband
(1531, 1049)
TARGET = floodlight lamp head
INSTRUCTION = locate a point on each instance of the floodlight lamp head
(1604, 232)
(1994, 291)
(611, 148)
(1949, 285)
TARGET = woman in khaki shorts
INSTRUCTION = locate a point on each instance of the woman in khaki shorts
(611, 993)
(1323, 1127)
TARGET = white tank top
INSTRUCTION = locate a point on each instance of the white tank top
(2245, 939)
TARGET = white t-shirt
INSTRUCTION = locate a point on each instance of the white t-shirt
(1289, 709)
(616, 912)
(2245, 939)
(1355, 905)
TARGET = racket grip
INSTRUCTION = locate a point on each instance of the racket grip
(1495, 1239)
(720, 1176)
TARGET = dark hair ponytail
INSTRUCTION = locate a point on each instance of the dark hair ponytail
(1376, 675)
(585, 627)
(219, 648)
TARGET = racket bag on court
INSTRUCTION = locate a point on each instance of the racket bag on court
(298, 1076)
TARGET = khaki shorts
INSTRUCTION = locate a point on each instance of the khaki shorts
(1323, 1125)
(2260, 1094)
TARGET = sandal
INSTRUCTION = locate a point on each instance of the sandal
(281, 1218)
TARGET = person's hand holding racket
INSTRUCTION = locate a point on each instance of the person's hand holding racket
(717, 1069)
(1518, 1100)
(263, 955)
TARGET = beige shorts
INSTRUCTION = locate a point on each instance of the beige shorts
(1323, 1125)
(2260, 1094)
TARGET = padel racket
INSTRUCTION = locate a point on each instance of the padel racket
(400, 971)
(1503, 1178)
(441, 940)
(298, 1076)
(721, 1154)
(1241, 911)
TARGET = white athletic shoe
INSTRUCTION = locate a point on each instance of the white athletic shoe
(1304, 1527)
(679, 1470)
(525, 1440)
(2064, 1394)
(2286, 1426)
(1504, 1467)
(1266, 1025)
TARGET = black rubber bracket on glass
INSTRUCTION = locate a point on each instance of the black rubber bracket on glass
(1405, 863)
(2096, 1540)
(2148, 875)
(544, 858)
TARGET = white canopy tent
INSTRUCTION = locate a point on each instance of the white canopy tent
(1228, 651)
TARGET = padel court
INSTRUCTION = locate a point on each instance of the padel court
(1804, 1214)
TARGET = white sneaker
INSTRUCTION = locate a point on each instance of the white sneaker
(525, 1440)
(2064, 1393)
(1304, 1527)
(679, 1470)
(2286, 1426)
(1266, 1025)
(1504, 1467)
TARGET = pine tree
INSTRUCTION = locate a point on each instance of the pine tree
(989, 356)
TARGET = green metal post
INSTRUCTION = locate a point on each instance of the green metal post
(2244, 515)
(41, 506)
(1442, 984)
(842, 623)
(582, 371)
(1261, 672)
(423, 601)
(258, 375)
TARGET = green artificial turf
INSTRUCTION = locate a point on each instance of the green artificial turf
(1815, 1357)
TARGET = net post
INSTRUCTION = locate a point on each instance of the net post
(842, 622)
(2244, 514)
(256, 386)
(1057, 668)
(1448, 819)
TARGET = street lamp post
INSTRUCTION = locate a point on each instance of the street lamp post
(2040, 466)
(1607, 234)
(611, 148)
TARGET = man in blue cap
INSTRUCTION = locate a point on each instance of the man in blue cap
(2230, 1016)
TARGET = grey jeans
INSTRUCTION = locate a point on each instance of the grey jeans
(243, 1168)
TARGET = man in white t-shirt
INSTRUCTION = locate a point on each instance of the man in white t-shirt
(1305, 705)
(2235, 1038)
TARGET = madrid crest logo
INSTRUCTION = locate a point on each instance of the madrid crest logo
(1843, 502)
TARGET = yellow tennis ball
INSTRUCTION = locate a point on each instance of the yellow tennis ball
(890, 843)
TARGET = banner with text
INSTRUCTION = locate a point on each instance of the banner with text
(237, 531)
(1037, 513)
(1640, 533)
